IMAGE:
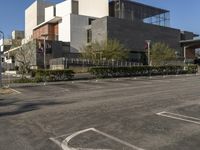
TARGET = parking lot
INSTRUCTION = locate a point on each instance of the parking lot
(119, 114)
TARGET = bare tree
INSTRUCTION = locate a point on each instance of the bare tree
(25, 56)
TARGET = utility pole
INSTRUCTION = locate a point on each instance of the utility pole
(1, 84)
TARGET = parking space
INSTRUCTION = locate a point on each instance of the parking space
(101, 140)
(124, 113)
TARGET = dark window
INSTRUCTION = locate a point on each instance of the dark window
(54, 11)
(75, 6)
(89, 36)
(13, 59)
(49, 47)
(90, 21)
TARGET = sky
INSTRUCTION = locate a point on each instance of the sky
(185, 14)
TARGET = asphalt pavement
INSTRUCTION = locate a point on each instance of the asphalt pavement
(118, 114)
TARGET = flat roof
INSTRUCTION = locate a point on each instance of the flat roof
(51, 21)
(192, 41)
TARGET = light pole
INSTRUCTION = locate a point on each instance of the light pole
(184, 54)
(45, 67)
(1, 59)
(176, 54)
(149, 51)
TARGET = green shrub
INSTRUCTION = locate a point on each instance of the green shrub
(52, 75)
(192, 69)
(23, 80)
(102, 72)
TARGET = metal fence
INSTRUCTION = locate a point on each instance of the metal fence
(8, 74)
(62, 63)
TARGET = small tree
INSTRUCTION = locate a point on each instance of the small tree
(24, 57)
(161, 54)
(109, 50)
(91, 51)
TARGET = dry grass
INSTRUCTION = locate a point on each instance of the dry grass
(4, 91)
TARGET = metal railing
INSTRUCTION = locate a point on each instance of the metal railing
(66, 62)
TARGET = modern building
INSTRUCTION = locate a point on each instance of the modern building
(73, 24)
(18, 35)
(11, 43)
(34, 15)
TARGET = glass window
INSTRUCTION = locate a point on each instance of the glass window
(89, 36)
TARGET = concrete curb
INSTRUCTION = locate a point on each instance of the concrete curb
(142, 78)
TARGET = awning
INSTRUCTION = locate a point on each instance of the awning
(194, 43)
(51, 21)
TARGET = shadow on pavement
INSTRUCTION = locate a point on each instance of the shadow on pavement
(4, 102)
(28, 107)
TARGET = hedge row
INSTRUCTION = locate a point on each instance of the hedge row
(103, 72)
(52, 75)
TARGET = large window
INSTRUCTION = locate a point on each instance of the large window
(89, 35)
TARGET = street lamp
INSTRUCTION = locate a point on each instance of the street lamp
(176, 61)
(149, 51)
(45, 38)
(1, 59)
(184, 54)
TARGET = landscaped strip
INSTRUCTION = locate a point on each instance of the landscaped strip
(105, 72)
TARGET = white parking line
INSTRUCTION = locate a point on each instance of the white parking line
(162, 81)
(180, 117)
(65, 143)
(117, 140)
(18, 92)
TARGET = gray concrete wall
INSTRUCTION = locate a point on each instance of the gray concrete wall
(131, 34)
(79, 26)
(134, 34)
(187, 35)
(41, 5)
(59, 49)
(99, 30)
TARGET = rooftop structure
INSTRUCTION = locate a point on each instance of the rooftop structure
(127, 9)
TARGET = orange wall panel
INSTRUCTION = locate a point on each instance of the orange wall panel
(190, 53)
(48, 29)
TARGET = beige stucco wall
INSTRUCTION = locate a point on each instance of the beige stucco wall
(49, 13)
(30, 19)
(94, 8)
(64, 10)
(34, 15)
